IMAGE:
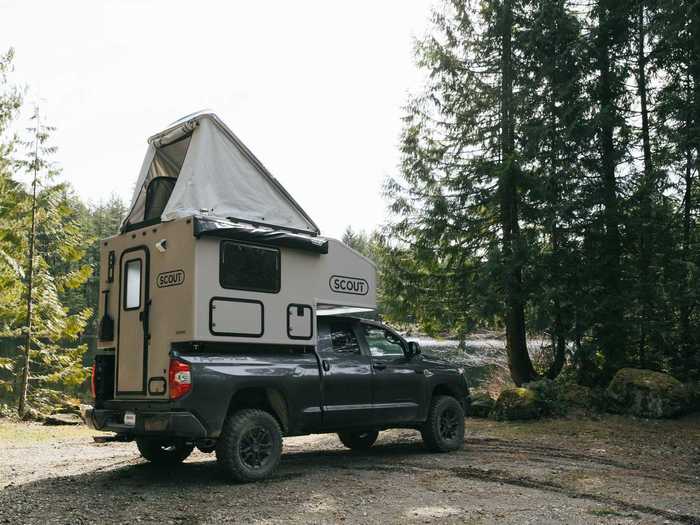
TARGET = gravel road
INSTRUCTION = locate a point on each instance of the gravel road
(609, 470)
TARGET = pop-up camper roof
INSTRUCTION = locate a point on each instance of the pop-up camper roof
(198, 167)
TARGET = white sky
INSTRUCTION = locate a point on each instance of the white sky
(314, 88)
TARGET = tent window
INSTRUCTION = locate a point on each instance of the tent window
(249, 267)
(157, 196)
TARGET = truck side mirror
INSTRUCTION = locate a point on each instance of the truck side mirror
(413, 348)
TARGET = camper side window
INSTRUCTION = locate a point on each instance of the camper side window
(249, 267)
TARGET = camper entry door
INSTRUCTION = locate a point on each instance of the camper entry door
(134, 301)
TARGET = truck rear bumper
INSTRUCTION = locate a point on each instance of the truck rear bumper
(170, 424)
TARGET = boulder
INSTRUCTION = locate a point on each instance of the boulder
(481, 405)
(646, 393)
(518, 403)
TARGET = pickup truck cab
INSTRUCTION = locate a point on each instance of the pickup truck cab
(361, 377)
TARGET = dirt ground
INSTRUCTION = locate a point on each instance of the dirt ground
(607, 470)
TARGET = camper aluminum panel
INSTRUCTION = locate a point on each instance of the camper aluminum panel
(160, 259)
(287, 316)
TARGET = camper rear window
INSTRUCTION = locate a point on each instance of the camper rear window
(249, 267)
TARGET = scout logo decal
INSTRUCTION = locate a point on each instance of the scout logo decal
(349, 285)
(172, 278)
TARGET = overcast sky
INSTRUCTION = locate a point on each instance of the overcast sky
(314, 88)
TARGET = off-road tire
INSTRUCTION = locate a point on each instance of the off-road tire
(162, 452)
(247, 436)
(358, 440)
(444, 429)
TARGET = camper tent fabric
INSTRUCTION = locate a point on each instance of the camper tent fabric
(216, 175)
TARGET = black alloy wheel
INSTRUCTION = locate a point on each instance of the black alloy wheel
(255, 447)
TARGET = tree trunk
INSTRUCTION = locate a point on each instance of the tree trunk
(22, 405)
(646, 189)
(521, 368)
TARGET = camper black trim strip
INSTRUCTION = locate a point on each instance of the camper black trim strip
(147, 299)
(258, 233)
(311, 320)
(236, 300)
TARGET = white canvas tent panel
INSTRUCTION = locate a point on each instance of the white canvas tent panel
(216, 175)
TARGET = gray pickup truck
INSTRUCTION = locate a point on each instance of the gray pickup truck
(360, 378)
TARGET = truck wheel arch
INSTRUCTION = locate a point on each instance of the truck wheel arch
(269, 399)
(443, 389)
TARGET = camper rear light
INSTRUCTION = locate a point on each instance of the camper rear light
(180, 379)
(93, 389)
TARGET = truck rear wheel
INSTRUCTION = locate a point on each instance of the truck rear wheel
(162, 452)
(250, 446)
(358, 440)
(444, 429)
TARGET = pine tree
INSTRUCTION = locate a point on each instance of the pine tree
(555, 135)
(457, 208)
(51, 362)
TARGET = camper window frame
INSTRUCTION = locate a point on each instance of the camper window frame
(250, 245)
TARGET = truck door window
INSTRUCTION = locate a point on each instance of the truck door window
(382, 343)
(132, 285)
(343, 340)
(249, 267)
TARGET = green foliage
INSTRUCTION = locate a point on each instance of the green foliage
(607, 239)
(59, 267)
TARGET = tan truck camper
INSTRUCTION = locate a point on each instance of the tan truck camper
(213, 249)
(226, 321)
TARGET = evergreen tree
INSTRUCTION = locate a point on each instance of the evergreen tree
(458, 208)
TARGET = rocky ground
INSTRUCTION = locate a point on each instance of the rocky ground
(578, 470)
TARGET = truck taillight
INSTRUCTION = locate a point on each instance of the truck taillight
(179, 378)
(93, 389)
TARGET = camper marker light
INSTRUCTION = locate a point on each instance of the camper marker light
(162, 245)
(180, 379)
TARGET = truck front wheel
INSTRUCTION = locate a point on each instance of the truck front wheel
(358, 440)
(444, 429)
(250, 446)
(164, 453)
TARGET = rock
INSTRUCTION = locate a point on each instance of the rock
(481, 405)
(518, 403)
(645, 393)
(63, 419)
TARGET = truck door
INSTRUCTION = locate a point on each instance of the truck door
(132, 338)
(398, 384)
(346, 383)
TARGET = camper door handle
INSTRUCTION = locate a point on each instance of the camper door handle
(379, 366)
(326, 365)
